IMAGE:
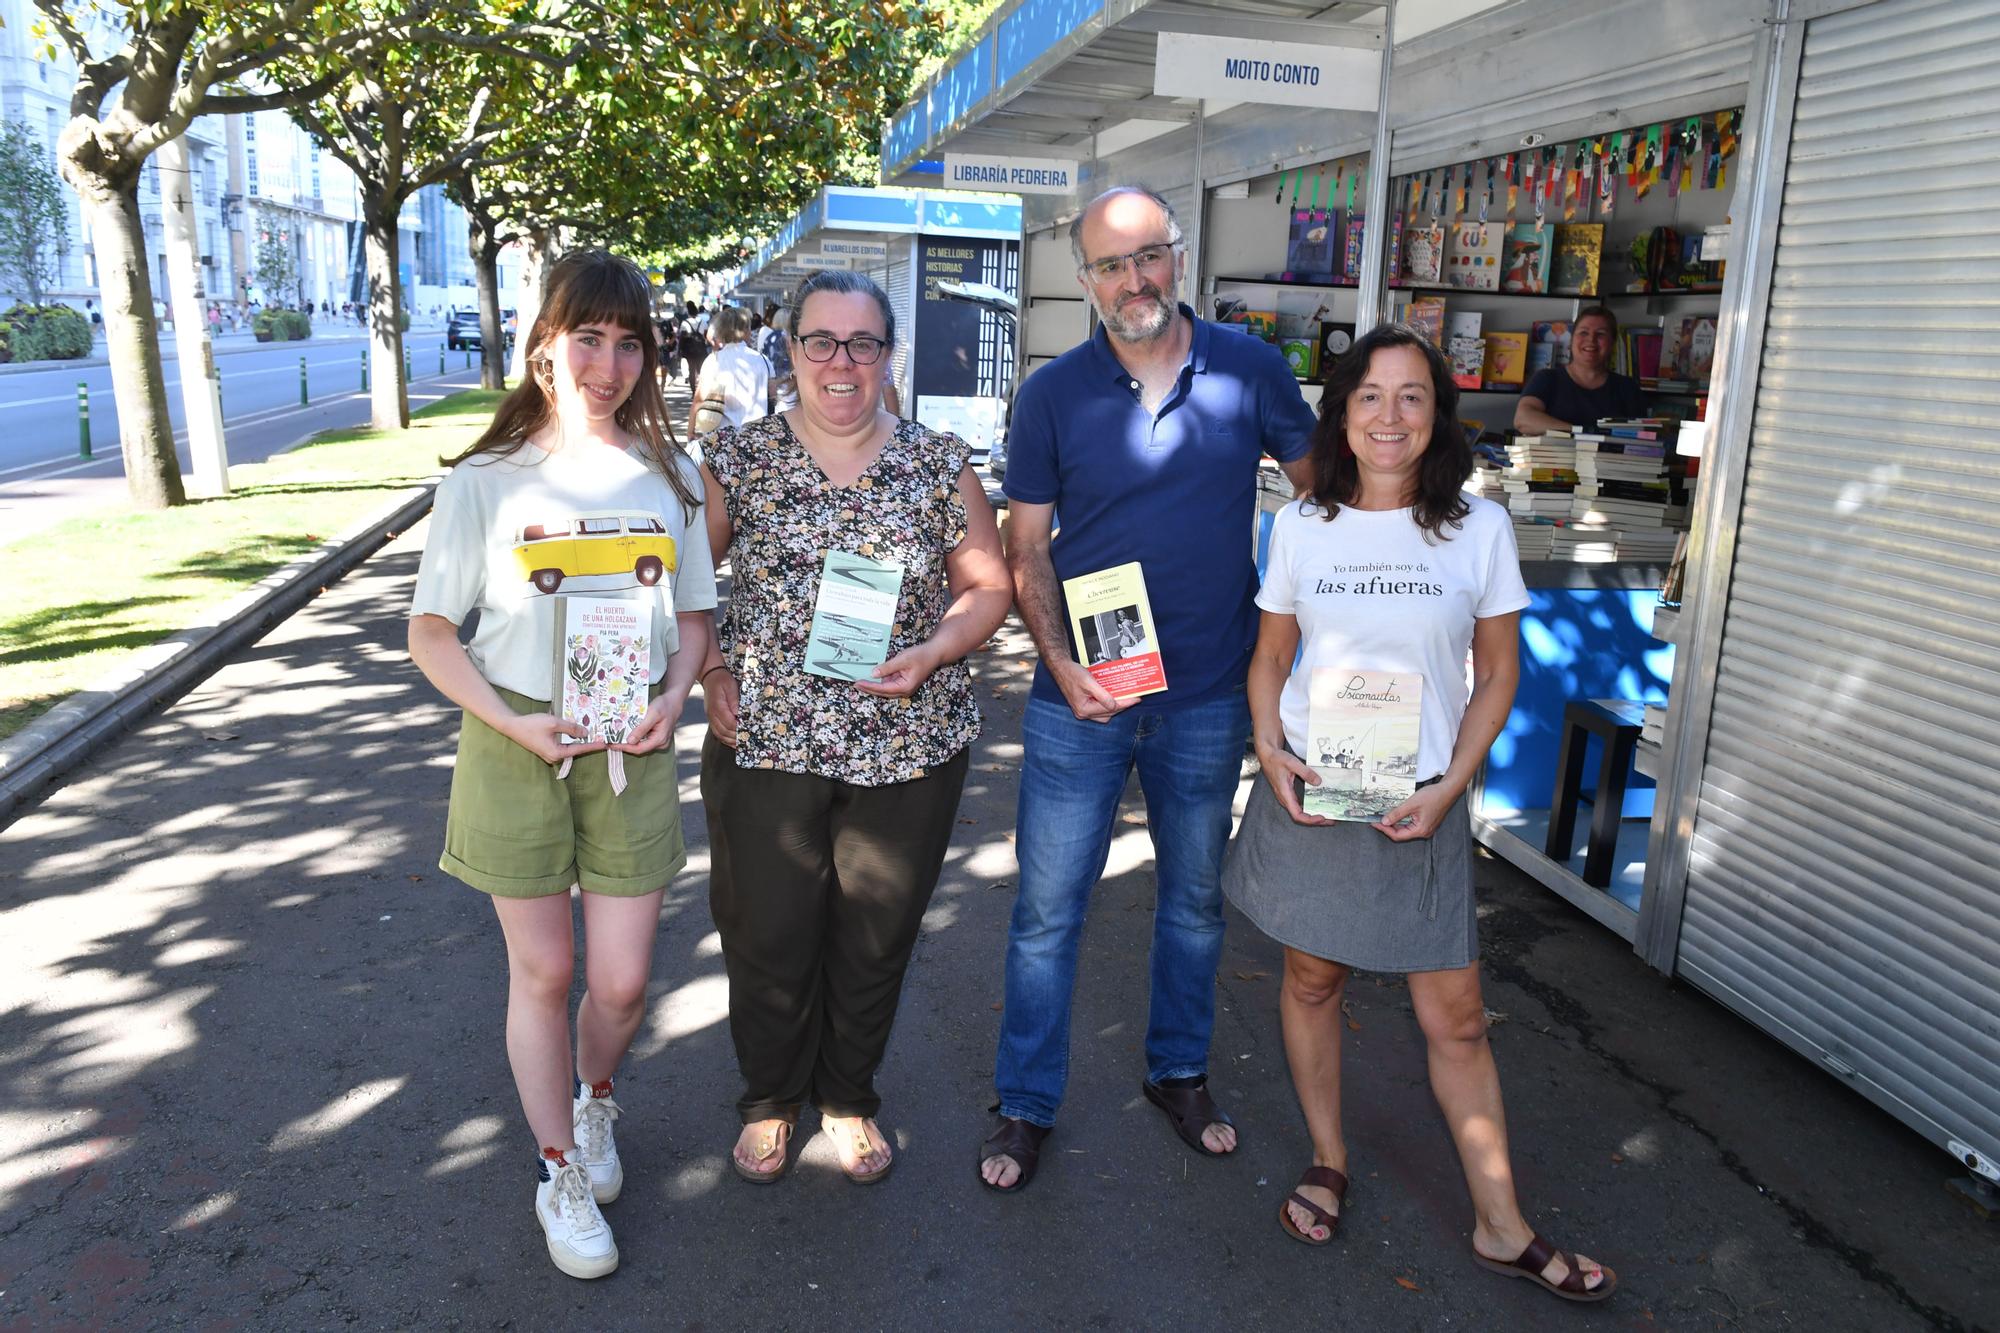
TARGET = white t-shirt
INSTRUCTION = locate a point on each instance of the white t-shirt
(744, 377)
(507, 531)
(1371, 594)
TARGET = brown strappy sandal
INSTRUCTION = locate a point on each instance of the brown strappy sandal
(1537, 1256)
(1326, 1178)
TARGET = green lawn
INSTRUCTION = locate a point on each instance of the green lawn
(90, 591)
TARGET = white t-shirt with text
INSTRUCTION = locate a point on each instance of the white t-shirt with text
(1371, 594)
(510, 531)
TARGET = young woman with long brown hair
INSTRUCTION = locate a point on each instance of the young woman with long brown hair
(577, 488)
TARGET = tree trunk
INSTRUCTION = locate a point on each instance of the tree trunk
(138, 381)
(534, 277)
(389, 399)
(492, 334)
(201, 407)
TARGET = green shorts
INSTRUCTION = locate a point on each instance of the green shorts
(516, 832)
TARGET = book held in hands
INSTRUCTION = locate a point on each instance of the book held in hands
(604, 656)
(1362, 730)
(853, 614)
(1112, 623)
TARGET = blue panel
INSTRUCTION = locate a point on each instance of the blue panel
(906, 134)
(1576, 643)
(929, 166)
(947, 215)
(961, 86)
(1035, 27)
(876, 207)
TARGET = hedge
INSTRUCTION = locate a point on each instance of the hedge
(50, 333)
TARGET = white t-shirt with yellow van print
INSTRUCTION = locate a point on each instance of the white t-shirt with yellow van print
(508, 532)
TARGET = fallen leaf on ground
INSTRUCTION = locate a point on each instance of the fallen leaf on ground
(1347, 1012)
(968, 821)
(218, 735)
(1494, 1018)
(1407, 1285)
(1617, 1157)
(1133, 817)
(1252, 976)
(996, 1006)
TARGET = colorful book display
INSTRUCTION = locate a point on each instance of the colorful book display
(1525, 264)
(1506, 363)
(1362, 729)
(1579, 253)
(1473, 259)
(604, 655)
(1464, 349)
(1423, 254)
(1111, 620)
(853, 613)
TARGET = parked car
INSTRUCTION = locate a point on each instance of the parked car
(461, 329)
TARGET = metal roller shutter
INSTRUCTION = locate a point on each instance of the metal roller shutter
(1842, 884)
(899, 280)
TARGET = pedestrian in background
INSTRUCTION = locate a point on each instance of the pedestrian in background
(778, 352)
(584, 435)
(1394, 894)
(1147, 439)
(733, 386)
(831, 801)
(694, 340)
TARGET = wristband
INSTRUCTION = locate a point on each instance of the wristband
(703, 677)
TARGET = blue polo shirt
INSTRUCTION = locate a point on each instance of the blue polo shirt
(1175, 490)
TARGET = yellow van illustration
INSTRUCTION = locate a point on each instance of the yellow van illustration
(594, 544)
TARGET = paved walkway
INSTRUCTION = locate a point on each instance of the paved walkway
(251, 1074)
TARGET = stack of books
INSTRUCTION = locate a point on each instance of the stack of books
(1540, 484)
(1654, 729)
(1585, 543)
(1623, 486)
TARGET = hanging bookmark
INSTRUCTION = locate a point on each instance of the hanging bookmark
(1348, 205)
(1607, 177)
(1486, 194)
(1543, 169)
(1513, 170)
(1458, 194)
(1691, 154)
(1671, 167)
(1725, 132)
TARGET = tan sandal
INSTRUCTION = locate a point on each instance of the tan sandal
(775, 1141)
(862, 1146)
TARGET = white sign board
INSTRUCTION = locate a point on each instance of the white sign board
(824, 261)
(1236, 69)
(854, 249)
(974, 420)
(1010, 175)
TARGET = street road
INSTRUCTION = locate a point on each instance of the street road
(43, 478)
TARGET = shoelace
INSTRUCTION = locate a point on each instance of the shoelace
(593, 1124)
(575, 1204)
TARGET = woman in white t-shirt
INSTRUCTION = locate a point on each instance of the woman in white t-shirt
(575, 502)
(735, 382)
(1378, 585)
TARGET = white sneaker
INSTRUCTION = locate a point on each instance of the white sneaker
(579, 1238)
(596, 1149)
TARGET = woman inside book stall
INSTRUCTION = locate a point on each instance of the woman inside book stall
(1388, 573)
(866, 565)
(1581, 391)
(572, 528)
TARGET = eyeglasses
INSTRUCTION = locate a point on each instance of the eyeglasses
(863, 349)
(1113, 266)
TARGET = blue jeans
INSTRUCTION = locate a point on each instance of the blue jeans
(1072, 774)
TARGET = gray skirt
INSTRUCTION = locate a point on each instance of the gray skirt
(1345, 893)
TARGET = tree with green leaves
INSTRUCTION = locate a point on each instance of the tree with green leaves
(34, 227)
(275, 264)
(144, 70)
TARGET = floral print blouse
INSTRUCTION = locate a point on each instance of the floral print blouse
(786, 514)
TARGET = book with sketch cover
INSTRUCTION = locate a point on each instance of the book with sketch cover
(604, 658)
(853, 614)
(1112, 622)
(1362, 729)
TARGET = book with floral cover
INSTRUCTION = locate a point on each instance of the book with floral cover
(604, 655)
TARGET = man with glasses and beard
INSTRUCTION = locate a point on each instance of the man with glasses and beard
(1146, 441)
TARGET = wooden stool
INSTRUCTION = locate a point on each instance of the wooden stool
(1618, 723)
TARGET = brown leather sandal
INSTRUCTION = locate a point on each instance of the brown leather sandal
(1537, 1257)
(1326, 1178)
(1020, 1140)
(1191, 1110)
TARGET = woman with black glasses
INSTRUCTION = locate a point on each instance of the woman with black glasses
(865, 566)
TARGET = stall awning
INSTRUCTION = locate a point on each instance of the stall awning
(861, 214)
(1062, 78)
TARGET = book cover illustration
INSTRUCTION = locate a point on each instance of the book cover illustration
(1309, 248)
(1362, 732)
(853, 613)
(1112, 622)
(1426, 316)
(1423, 254)
(1506, 359)
(1579, 253)
(1525, 265)
(1473, 260)
(604, 656)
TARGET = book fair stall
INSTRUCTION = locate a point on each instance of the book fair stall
(1757, 701)
(954, 360)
